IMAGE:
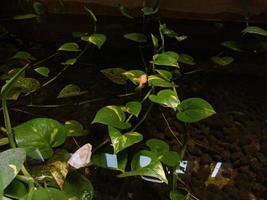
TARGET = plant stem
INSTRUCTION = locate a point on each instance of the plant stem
(101, 145)
(143, 118)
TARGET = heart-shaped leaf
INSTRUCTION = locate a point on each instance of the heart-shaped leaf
(25, 16)
(186, 59)
(48, 193)
(27, 85)
(193, 110)
(134, 75)
(23, 55)
(70, 46)
(38, 136)
(168, 58)
(44, 71)
(115, 75)
(233, 45)
(113, 116)
(157, 146)
(11, 163)
(146, 163)
(16, 189)
(223, 61)
(71, 61)
(255, 30)
(156, 80)
(167, 75)
(111, 161)
(75, 128)
(122, 141)
(136, 37)
(133, 107)
(96, 39)
(166, 98)
(170, 158)
(70, 90)
(77, 186)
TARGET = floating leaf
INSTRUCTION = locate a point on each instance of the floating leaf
(11, 163)
(91, 14)
(136, 37)
(166, 98)
(112, 116)
(96, 39)
(38, 136)
(71, 61)
(133, 107)
(168, 58)
(115, 75)
(156, 80)
(125, 11)
(44, 71)
(111, 161)
(48, 193)
(167, 75)
(146, 163)
(122, 141)
(25, 16)
(155, 41)
(70, 46)
(75, 128)
(16, 189)
(233, 45)
(133, 75)
(255, 30)
(223, 61)
(77, 186)
(186, 59)
(23, 55)
(70, 90)
(81, 157)
(194, 110)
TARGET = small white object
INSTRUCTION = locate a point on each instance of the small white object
(81, 157)
(216, 169)
(111, 160)
(182, 167)
(144, 161)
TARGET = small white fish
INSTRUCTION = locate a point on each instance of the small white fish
(141, 80)
(81, 157)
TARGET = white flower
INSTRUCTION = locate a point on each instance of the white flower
(81, 157)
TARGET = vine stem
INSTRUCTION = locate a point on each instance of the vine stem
(143, 118)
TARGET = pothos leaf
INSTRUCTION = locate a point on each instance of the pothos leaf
(156, 80)
(133, 107)
(70, 46)
(166, 98)
(168, 58)
(96, 39)
(23, 55)
(136, 37)
(223, 61)
(115, 75)
(133, 75)
(48, 193)
(70, 90)
(255, 30)
(44, 71)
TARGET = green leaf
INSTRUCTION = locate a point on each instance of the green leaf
(4, 141)
(125, 11)
(77, 186)
(233, 45)
(11, 163)
(75, 128)
(149, 10)
(133, 75)
(178, 195)
(25, 16)
(193, 110)
(133, 107)
(115, 75)
(152, 166)
(96, 39)
(70, 47)
(168, 58)
(48, 193)
(1, 186)
(111, 161)
(164, 74)
(186, 59)
(23, 55)
(157, 146)
(27, 85)
(91, 14)
(71, 61)
(38, 136)
(156, 80)
(166, 98)
(121, 142)
(44, 71)
(16, 189)
(181, 38)
(170, 158)
(223, 61)
(255, 30)
(70, 90)
(155, 41)
(113, 116)
(136, 37)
